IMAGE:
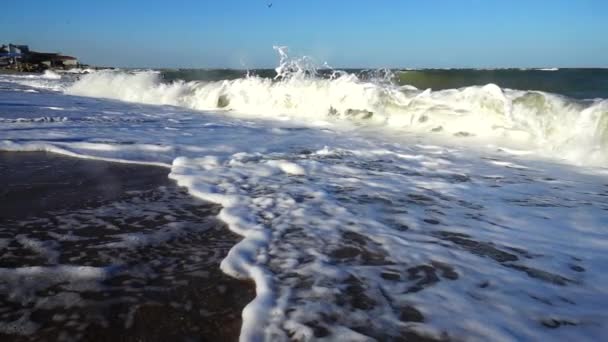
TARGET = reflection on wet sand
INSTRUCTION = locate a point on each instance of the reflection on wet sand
(97, 251)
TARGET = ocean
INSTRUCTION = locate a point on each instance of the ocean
(372, 204)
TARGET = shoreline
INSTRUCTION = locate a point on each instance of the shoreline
(4, 71)
(156, 247)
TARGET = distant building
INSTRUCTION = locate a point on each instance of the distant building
(9, 54)
(51, 60)
(4, 59)
(22, 49)
(20, 57)
(68, 61)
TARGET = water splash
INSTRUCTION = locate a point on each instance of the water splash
(304, 91)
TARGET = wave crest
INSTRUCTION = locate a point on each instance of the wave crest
(575, 129)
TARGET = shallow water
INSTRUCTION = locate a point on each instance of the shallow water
(357, 230)
(91, 253)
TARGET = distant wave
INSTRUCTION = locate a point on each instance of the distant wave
(555, 124)
(577, 130)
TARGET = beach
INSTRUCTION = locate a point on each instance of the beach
(90, 252)
(305, 204)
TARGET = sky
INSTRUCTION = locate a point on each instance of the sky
(343, 33)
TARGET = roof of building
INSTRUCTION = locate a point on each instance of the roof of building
(66, 58)
(8, 54)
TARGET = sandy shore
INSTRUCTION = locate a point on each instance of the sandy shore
(156, 250)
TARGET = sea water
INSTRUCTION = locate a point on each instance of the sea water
(369, 208)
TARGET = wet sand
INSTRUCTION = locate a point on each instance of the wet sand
(158, 249)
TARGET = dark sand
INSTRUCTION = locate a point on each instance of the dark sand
(57, 211)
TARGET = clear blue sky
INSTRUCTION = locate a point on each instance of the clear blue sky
(345, 33)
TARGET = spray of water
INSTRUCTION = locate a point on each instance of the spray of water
(552, 123)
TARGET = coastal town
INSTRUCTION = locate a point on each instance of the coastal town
(20, 58)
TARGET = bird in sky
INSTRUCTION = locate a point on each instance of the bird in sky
(269, 4)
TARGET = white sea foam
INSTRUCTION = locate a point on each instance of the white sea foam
(342, 232)
(76, 71)
(51, 75)
(549, 123)
(47, 81)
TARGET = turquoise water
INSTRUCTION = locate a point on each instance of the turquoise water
(575, 83)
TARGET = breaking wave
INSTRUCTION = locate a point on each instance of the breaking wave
(555, 124)
(346, 236)
(51, 75)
